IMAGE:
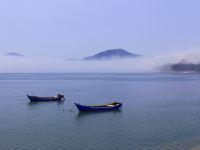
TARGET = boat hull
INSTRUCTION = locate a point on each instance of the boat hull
(43, 99)
(82, 108)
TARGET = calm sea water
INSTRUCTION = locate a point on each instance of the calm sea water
(160, 111)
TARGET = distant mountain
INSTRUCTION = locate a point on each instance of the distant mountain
(181, 67)
(185, 67)
(110, 54)
(14, 54)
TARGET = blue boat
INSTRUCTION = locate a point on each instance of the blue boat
(107, 107)
(59, 97)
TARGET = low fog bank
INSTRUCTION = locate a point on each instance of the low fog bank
(43, 65)
(140, 64)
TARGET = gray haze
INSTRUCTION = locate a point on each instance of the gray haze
(140, 64)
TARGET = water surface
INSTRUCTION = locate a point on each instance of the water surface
(160, 111)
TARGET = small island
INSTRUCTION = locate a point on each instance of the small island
(14, 54)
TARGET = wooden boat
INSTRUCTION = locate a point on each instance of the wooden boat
(107, 107)
(59, 97)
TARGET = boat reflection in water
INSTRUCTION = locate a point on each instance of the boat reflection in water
(45, 102)
(81, 116)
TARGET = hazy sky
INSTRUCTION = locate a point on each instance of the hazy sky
(78, 28)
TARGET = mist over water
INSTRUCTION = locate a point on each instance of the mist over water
(139, 64)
